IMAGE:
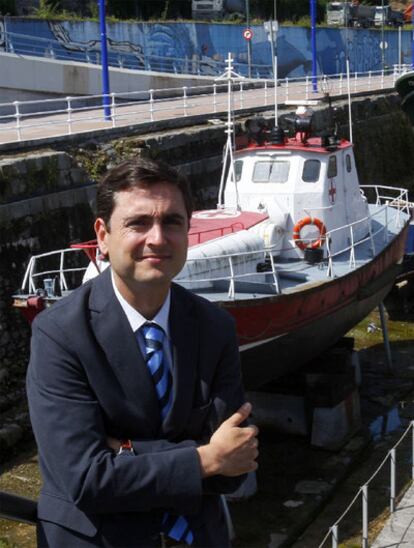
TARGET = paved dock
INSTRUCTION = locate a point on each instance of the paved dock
(399, 529)
(40, 125)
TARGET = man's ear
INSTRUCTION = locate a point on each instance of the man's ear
(101, 232)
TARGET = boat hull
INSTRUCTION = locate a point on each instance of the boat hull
(279, 334)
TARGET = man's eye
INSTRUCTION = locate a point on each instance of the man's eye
(173, 222)
(137, 223)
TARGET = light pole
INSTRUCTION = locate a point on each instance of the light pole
(382, 36)
(271, 27)
(249, 45)
(313, 42)
(104, 60)
(275, 41)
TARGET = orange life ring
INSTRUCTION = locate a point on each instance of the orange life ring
(312, 244)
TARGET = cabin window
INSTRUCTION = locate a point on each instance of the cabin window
(348, 163)
(311, 171)
(271, 172)
(238, 169)
(332, 167)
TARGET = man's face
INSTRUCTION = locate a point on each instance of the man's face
(147, 238)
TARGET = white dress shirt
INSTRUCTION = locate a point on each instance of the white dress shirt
(137, 320)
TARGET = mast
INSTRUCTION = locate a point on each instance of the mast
(229, 76)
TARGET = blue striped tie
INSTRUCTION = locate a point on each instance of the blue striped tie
(175, 527)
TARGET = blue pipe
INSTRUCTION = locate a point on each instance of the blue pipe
(106, 101)
(313, 42)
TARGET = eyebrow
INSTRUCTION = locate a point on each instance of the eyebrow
(166, 217)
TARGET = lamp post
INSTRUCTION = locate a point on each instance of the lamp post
(272, 27)
(249, 44)
(104, 60)
(382, 36)
(275, 40)
(313, 42)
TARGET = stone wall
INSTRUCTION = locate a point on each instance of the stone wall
(43, 199)
(47, 201)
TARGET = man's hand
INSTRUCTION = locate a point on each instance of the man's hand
(232, 450)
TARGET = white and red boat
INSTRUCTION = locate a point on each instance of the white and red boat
(296, 250)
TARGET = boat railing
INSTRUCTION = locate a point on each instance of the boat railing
(229, 263)
(383, 200)
(234, 227)
(232, 276)
(61, 271)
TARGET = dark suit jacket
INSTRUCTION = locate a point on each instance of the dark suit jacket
(87, 380)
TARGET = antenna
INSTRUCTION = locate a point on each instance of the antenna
(272, 27)
(326, 88)
(348, 79)
(229, 76)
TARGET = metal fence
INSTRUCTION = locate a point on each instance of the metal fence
(67, 115)
(89, 52)
(363, 492)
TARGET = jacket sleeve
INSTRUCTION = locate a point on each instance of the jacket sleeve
(69, 428)
(227, 396)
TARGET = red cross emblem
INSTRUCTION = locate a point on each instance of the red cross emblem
(332, 191)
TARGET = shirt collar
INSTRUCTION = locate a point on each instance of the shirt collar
(137, 320)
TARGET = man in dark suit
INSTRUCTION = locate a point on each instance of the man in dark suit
(138, 436)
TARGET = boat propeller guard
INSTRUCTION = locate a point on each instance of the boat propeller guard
(312, 244)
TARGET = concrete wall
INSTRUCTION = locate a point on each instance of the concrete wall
(61, 78)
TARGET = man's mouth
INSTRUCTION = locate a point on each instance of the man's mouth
(154, 258)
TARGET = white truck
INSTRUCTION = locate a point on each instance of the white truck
(384, 15)
(217, 9)
(349, 14)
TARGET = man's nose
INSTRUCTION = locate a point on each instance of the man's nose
(155, 235)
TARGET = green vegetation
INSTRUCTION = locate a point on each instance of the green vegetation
(52, 10)
(293, 11)
(290, 12)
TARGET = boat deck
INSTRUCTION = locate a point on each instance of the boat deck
(295, 275)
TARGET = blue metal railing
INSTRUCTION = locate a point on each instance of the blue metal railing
(90, 52)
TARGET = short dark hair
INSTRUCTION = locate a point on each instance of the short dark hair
(135, 173)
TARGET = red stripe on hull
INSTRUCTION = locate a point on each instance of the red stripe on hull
(261, 319)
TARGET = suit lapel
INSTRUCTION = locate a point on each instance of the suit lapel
(184, 337)
(120, 346)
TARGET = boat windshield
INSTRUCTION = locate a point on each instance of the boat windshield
(335, 7)
(238, 169)
(311, 171)
(271, 171)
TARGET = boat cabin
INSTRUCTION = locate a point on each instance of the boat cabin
(292, 179)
